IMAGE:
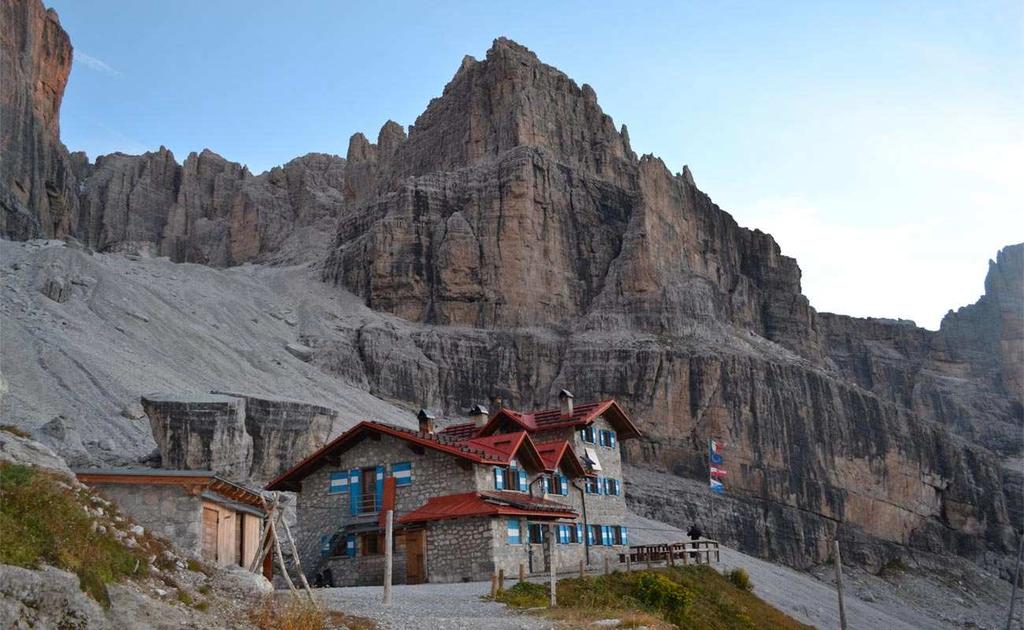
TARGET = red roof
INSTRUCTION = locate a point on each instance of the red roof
(470, 504)
(550, 420)
(555, 453)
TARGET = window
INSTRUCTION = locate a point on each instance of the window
(511, 478)
(556, 484)
(350, 545)
(594, 535)
(619, 535)
(612, 487)
(588, 434)
(325, 546)
(537, 533)
(371, 544)
(338, 483)
(593, 485)
(402, 472)
(607, 438)
(512, 531)
(569, 533)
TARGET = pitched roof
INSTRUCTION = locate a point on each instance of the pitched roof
(557, 453)
(483, 451)
(551, 419)
(468, 504)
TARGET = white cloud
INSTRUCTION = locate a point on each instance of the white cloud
(93, 63)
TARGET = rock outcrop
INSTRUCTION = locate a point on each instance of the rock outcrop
(38, 195)
(237, 435)
(512, 242)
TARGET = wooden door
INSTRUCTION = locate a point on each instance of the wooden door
(211, 522)
(415, 557)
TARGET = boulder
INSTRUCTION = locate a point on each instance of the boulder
(240, 583)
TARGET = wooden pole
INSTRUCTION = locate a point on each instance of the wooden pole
(606, 570)
(277, 545)
(648, 553)
(298, 561)
(839, 585)
(522, 572)
(582, 571)
(501, 579)
(389, 535)
(551, 565)
(629, 561)
(671, 555)
(1013, 587)
(494, 585)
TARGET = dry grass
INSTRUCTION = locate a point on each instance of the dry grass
(13, 430)
(296, 612)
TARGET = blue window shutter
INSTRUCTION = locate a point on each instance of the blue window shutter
(402, 472)
(545, 484)
(602, 437)
(611, 439)
(338, 483)
(565, 485)
(579, 532)
(522, 480)
(600, 485)
(379, 490)
(512, 530)
(499, 479)
(354, 491)
(590, 535)
(606, 534)
(350, 545)
(625, 536)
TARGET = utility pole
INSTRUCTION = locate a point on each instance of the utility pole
(389, 532)
(1016, 579)
(551, 565)
(839, 584)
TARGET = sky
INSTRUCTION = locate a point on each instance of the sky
(880, 143)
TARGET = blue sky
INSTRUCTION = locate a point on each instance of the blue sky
(880, 143)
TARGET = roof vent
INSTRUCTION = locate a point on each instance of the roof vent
(565, 403)
(426, 421)
(479, 415)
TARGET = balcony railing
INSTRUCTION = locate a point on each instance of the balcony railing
(368, 505)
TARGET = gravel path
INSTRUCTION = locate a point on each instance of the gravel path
(430, 606)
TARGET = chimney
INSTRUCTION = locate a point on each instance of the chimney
(426, 421)
(479, 415)
(565, 403)
(497, 403)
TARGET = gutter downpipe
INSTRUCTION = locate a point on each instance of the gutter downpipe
(586, 526)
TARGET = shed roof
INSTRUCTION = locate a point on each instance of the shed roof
(202, 481)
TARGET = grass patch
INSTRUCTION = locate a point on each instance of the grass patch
(43, 521)
(682, 597)
(185, 598)
(13, 430)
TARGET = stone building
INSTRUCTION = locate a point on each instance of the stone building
(468, 499)
(199, 512)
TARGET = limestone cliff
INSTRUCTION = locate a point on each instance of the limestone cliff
(512, 242)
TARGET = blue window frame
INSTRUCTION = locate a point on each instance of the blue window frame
(593, 485)
(587, 433)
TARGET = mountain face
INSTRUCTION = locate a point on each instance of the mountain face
(514, 244)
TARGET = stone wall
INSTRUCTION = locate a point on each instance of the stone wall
(460, 550)
(167, 511)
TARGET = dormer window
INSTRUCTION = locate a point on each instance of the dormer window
(512, 478)
(588, 434)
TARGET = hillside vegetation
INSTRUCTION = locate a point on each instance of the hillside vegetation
(697, 597)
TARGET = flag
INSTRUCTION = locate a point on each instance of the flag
(717, 472)
(715, 452)
(716, 486)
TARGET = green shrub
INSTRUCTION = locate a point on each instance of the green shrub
(525, 595)
(740, 579)
(43, 521)
(662, 594)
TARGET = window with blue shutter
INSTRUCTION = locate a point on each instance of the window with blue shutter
(602, 437)
(354, 491)
(513, 532)
(499, 479)
(350, 545)
(606, 534)
(338, 483)
(593, 485)
(588, 434)
(545, 484)
(564, 490)
(611, 439)
(625, 536)
(591, 538)
(579, 532)
(522, 481)
(325, 545)
(402, 472)
(611, 486)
